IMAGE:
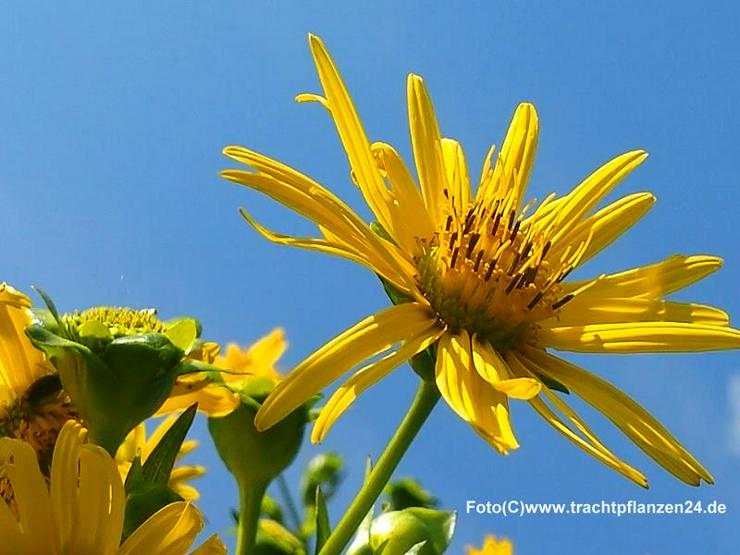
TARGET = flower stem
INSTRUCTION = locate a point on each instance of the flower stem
(426, 398)
(250, 504)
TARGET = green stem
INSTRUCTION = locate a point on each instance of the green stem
(250, 504)
(425, 400)
(288, 498)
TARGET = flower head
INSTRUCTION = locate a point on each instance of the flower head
(33, 406)
(482, 276)
(82, 508)
(117, 364)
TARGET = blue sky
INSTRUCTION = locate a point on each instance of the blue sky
(112, 121)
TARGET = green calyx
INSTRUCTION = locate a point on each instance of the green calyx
(117, 365)
(251, 455)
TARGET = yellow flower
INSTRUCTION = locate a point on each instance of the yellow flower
(256, 361)
(32, 405)
(483, 276)
(492, 546)
(137, 442)
(82, 509)
(238, 366)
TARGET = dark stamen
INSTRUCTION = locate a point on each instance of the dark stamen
(454, 256)
(477, 260)
(536, 299)
(517, 278)
(471, 244)
(562, 301)
(448, 225)
(453, 238)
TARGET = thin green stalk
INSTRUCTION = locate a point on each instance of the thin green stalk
(288, 498)
(250, 504)
(425, 400)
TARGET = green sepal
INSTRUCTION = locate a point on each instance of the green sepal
(51, 307)
(116, 389)
(158, 466)
(253, 456)
(552, 384)
(183, 333)
(323, 526)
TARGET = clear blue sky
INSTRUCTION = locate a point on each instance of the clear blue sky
(112, 120)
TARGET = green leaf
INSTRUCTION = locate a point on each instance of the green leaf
(161, 461)
(143, 503)
(323, 526)
(51, 306)
(146, 486)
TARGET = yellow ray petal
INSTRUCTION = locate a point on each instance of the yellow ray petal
(639, 337)
(212, 546)
(457, 174)
(594, 188)
(427, 145)
(309, 200)
(63, 490)
(653, 281)
(626, 414)
(102, 502)
(169, 531)
(606, 225)
(213, 399)
(21, 363)
(368, 376)
(517, 152)
(370, 337)
(588, 309)
(303, 195)
(587, 440)
(493, 368)
(29, 492)
(411, 209)
(471, 397)
(377, 263)
(351, 134)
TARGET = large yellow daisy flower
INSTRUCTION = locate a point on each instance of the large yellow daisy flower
(32, 406)
(484, 276)
(81, 511)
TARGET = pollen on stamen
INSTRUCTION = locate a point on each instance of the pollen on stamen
(491, 272)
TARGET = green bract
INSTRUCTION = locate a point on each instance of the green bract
(118, 365)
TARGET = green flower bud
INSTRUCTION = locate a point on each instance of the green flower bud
(274, 539)
(407, 492)
(118, 365)
(253, 456)
(324, 470)
(415, 530)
